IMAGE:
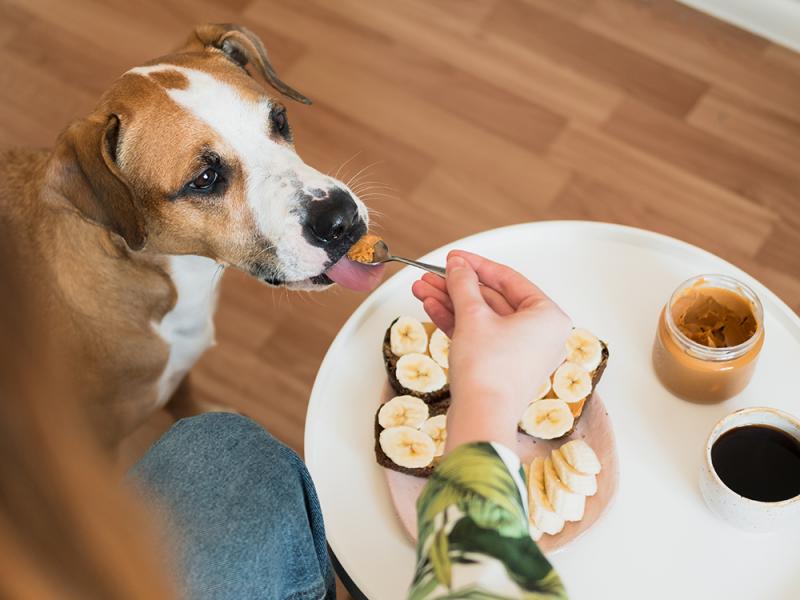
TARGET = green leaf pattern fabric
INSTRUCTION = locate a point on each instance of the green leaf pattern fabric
(474, 542)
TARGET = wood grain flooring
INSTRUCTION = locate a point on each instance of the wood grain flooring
(462, 115)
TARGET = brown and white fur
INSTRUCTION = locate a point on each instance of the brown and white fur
(118, 230)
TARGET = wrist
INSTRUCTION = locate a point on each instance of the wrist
(490, 398)
(483, 415)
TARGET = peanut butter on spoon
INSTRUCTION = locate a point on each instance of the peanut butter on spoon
(371, 250)
(363, 251)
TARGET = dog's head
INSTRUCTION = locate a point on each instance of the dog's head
(190, 154)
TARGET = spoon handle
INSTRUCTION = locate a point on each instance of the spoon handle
(421, 265)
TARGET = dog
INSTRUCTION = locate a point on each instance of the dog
(185, 166)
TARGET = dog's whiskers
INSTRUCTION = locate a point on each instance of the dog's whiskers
(344, 164)
(286, 294)
(378, 195)
(365, 188)
(262, 252)
(373, 182)
(215, 277)
(378, 191)
(354, 178)
(310, 296)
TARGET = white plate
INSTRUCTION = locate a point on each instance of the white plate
(658, 539)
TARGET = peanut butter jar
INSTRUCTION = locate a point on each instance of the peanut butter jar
(708, 340)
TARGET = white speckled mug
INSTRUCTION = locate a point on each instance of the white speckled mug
(744, 513)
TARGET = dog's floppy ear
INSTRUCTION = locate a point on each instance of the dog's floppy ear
(243, 47)
(92, 181)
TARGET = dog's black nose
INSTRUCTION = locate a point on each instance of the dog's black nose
(333, 217)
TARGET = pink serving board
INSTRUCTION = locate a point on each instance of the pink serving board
(594, 427)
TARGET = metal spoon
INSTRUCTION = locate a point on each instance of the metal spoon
(381, 254)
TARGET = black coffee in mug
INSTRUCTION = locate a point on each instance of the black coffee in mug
(758, 462)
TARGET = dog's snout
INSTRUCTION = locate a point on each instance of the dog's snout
(333, 217)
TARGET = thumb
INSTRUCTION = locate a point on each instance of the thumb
(462, 286)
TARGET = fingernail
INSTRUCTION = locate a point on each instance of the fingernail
(455, 262)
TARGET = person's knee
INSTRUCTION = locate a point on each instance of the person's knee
(217, 446)
(235, 438)
(217, 425)
(236, 495)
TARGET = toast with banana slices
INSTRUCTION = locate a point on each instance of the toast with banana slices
(410, 428)
(559, 403)
(410, 435)
(416, 359)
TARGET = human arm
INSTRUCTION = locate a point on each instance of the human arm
(507, 336)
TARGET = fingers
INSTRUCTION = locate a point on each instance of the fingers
(436, 281)
(433, 286)
(441, 316)
(514, 287)
(496, 301)
(423, 290)
(463, 288)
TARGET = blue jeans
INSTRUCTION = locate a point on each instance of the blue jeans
(243, 517)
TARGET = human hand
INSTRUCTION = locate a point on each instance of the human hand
(506, 335)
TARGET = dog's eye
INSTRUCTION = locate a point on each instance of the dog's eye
(205, 181)
(280, 122)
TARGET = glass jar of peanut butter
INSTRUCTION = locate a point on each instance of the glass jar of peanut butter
(708, 340)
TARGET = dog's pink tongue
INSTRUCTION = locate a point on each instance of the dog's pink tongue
(355, 276)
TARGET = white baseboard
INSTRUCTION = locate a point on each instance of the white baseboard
(776, 20)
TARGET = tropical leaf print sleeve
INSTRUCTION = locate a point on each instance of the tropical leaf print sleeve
(474, 541)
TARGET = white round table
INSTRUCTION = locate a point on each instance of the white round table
(658, 540)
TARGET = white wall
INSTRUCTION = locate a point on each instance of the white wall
(776, 20)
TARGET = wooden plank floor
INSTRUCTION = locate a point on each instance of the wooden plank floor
(461, 115)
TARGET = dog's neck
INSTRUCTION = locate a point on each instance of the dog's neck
(188, 328)
(125, 308)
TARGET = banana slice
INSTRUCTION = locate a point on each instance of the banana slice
(543, 389)
(407, 447)
(419, 372)
(571, 382)
(547, 419)
(403, 410)
(536, 533)
(406, 336)
(542, 515)
(436, 428)
(439, 348)
(581, 457)
(584, 349)
(566, 503)
(580, 483)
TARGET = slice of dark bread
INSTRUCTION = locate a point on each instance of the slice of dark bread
(596, 375)
(601, 368)
(390, 360)
(438, 408)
